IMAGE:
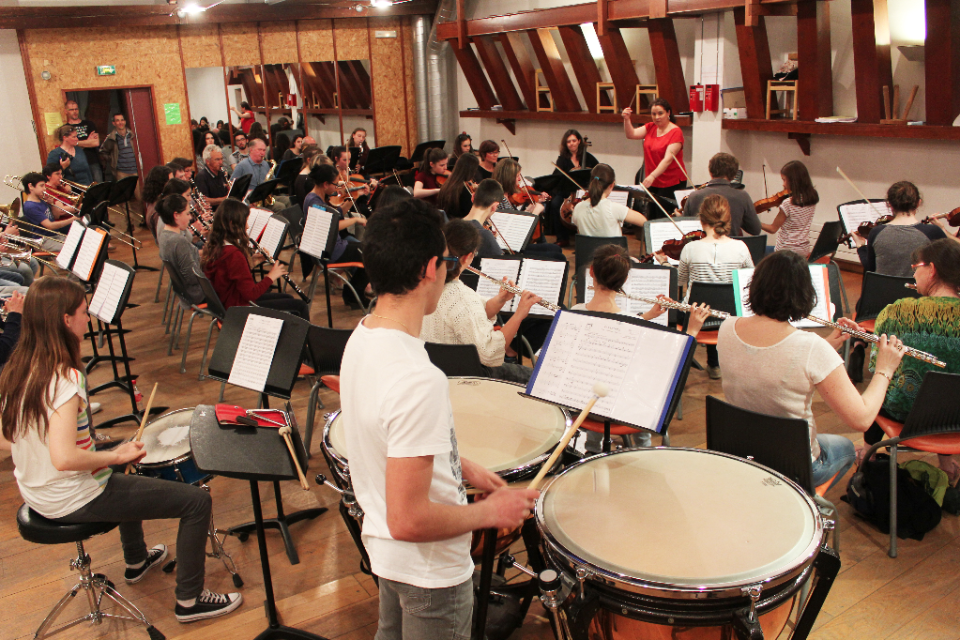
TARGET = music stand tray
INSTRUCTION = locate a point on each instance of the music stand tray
(123, 190)
(289, 170)
(239, 188)
(382, 159)
(263, 191)
(422, 148)
(95, 195)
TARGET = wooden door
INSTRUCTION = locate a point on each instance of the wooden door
(143, 122)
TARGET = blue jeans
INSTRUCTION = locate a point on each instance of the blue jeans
(409, 612)
(837, 455)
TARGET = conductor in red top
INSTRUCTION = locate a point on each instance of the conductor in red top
(664, 170)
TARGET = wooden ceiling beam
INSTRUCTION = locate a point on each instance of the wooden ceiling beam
(942, 64)
(620, 65)
(473, 72)
(814, 88)
(498, 74)
(561, 89)
(523, 69)
(755, 66)
(584, 66)
(666, 61)
(871, 57)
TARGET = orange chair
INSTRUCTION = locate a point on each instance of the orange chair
(326, 350)
(933, 426)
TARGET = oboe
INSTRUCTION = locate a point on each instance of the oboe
(670, 304)
(286, 276)
(866, 336)
(514, 290)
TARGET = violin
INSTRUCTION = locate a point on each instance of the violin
(864, 229)
(673, 248)
(683, 201)
(953, 217)
(471, 186)
(775, 200)
(346, 189)
(566, 209)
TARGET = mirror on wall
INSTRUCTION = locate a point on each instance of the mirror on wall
(321, 114)
(356, 99)
(245, 84)
(208, 107)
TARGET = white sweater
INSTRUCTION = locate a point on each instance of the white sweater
(461, 318)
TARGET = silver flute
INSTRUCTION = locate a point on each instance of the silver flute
(670, 304)
(866, 336)
(514, 290)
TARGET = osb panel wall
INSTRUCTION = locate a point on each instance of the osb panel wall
(386, 61)
(279, 42)
(352, 39)
(240, 44)
(201, 46)
(142, 57)
(316, 40)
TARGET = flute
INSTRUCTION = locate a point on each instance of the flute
(910, 285)
(514, 290)
(670, 304)
(286, 276)
(866, 336)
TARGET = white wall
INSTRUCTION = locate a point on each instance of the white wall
(18, 138)
(205, 92)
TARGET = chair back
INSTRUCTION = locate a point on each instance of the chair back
(587, 246)
(176, 281)
(783, 444)
(879, 291)
(326, 348)
(455, 359)
(838, 293)
(720, 297)
(827, 242)
(210, 296)
(936, 409)
(757, 245)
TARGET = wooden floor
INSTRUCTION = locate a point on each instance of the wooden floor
(916, 596)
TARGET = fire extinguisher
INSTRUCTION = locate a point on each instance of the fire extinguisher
(696, 98)
(711, 98)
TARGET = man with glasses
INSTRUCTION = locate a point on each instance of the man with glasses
(406, 470)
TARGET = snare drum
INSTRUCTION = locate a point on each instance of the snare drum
(669, 543)
(167, 443)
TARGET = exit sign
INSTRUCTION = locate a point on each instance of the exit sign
(106, 70)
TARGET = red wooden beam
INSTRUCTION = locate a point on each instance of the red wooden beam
(545, 48)
(871, 60)
(666, 60)
(523, 70)
(815, 85)
(658, 9)
(462, 42)
(755, 67)
(603, 16)
(475, 78)
(584, 67)
(498, 74)
(942, 65)
(622, 71)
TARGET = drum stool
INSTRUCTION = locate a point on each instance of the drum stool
(35, 528)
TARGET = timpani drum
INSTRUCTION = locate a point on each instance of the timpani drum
(673, 543)
(167, 443)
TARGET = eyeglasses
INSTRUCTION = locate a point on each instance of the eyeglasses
(918, 265)
(451, 259)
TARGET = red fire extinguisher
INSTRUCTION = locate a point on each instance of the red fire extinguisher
(711, 97)
(696, 98)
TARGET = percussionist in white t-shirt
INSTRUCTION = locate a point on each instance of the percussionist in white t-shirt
(404, 463)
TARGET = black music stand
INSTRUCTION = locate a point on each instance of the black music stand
(94, 195)
(239, 188)
(262, 191)
(122, 192)
(280, 380)
(255, 454)
(98, 215)
(423, 147)
(289, 169)
(382, 159)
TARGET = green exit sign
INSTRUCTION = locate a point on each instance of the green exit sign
(106, 70)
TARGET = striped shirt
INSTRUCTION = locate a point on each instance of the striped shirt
(794, 235)
(126, 158)
(703, 261)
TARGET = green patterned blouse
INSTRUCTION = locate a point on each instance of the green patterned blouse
(927, 324)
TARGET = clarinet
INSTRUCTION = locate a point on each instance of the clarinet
(286, 276)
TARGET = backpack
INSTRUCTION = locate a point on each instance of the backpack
(869, 495)
(934, 480)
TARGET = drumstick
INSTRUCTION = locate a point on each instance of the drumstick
(143, 424)
(600, 390)
(285, 434)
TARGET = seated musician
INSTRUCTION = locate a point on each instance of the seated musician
(463, 317)
(58, 469)
(425, 183)
(930, 323)
(487, 199)
(773, 368)
(176, 243)
(226, 262)
(598, 216)
(13, 306)
(489, 155)
(455, 197)
(723, 169)
(59, 190)
(507, 173)
(573, 157)
(462, 144)
(211, 180)
(406, 470)
(38, 214)
(360, 193)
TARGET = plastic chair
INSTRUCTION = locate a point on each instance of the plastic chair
(933, 426)
(877, 292)
(757, 245)
(827, 242)
(326, 348)
(783, 444)
(35, 528)
(456, 360)
(214, 308)
(583, 257)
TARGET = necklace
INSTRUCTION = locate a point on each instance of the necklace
(377, 315)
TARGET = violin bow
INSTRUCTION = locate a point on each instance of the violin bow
(568, 177)
(657, 202)
(857, 189)
(766, 193)
(502, 237)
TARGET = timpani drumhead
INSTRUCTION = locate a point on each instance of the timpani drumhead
(167, 438)
(496, 427)
(679, 517)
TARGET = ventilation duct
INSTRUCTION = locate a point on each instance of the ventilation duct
(435, 79)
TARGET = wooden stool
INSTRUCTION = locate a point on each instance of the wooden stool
(785, 86)
(543, 90)
(607, 86)
(646, 89)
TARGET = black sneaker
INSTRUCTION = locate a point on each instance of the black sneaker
(209, 605)
(154, 557)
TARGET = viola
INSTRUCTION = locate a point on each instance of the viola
(953, 217)
(673, 248)
(775, 200)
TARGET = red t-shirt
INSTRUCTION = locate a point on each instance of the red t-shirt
(429, 181)
(246, 123)
(655, 148)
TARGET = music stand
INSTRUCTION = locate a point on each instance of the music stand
(255, 454)
(95, 195)
(239, 188)
(289, 169)
(382, 159)
(262, 191)
(122, 192)
(422, 149)
(549, 182)
(97, 214)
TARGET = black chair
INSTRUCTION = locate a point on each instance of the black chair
(586, 247)
(35, 528)
(877, 293)
(827, 242)
(456, 360)
(756, 244)
(720, 296)
(783, 444)
(326, 348)
(933, 426)
(214, 308)
(199, 309)
(838, 292)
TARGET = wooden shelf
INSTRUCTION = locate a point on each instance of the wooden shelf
(509, 118)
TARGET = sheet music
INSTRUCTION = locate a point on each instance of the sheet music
(251, 365)
(513, 227)
(272, 236)
(680, 194)
(316, 232)
(620, 197)
(70, 244)
(89, 250)
(660, 232)
(818, 274)
(544, 278)
(497, 269)
(106, 299)
(638, 364)
(648, 283)
(853, 215)
(256, 221)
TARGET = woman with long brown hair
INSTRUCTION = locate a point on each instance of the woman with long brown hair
(60, 473)
(455, 198)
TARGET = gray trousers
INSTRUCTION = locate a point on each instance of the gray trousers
(415, 613)
(129, 500)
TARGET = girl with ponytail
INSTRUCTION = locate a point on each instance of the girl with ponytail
(598, 216)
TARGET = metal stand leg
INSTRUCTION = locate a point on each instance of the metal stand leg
(280, 523)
